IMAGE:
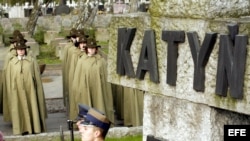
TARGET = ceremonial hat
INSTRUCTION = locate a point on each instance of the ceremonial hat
(91, 43)
(98, 119)
(20, 45)
(82, 111)
(82, 39)
(72, 33)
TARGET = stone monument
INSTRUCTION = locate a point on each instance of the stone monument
(190, 58)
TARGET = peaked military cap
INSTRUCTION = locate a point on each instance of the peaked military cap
(21, 45)
(72, 33)
(82, 111)
(82, 39)
(91, 43)
(98, 119)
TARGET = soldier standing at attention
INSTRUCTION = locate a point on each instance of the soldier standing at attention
(24, 98)
(90, 86)
(65, 66)
(77, 53)
(11, 53)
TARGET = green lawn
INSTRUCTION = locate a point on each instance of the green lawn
(128, 138)
(47, 55)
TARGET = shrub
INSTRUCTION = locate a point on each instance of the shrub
(39, 35)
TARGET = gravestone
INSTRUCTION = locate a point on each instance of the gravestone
(57, 45)
(60, 49)
(62, 8)
(102, 34)
(49, 36)
(34, 47)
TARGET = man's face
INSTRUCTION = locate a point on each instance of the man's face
(88, 132)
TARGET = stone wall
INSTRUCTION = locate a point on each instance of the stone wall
(52, 23)
(179, 112)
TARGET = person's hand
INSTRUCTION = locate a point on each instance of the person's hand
(78, 123)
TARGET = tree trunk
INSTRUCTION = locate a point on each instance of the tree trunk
(31, 24)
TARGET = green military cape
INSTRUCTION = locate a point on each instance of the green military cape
(75, 53)
(65, 72)
(10, 54)
(24, 101)
(117, 91)
(90, 85)
(133, 106)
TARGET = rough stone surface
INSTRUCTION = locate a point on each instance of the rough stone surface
(193, 121)
(34, 47)
(170, 111)
(204, 9)
(60, 49)
(55, 105)
(103, 34)
(185, 67)
(49, 36)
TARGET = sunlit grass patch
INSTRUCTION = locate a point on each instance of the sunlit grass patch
(47, 55)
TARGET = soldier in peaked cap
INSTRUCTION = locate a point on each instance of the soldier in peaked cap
(72, 33)
(66, 65)
(73, 55)
(76, 54)
(16, 37)
(95, 126)
(82, 43)
(24, 106)
(11, 53)
(90, 84)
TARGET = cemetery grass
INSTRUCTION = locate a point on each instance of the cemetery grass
(127, 138)
(47, 55)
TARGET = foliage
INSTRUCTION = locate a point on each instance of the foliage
(63, 33)
(47, 55)
(104, 47)
(127, 138)
(90, 31)
(6, 39)
(17, 26)
(39, 35)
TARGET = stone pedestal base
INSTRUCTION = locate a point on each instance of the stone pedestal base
(60, 49)
(180, 120)
(34, 47)
(57, 44)
(102, 34)
(50, 35)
